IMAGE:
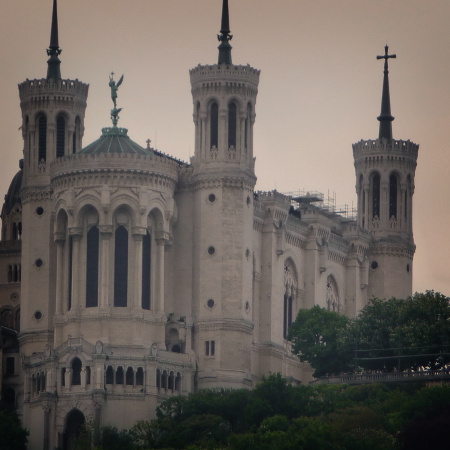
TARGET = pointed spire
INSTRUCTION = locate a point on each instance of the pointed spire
(385, 117)
(225, 36)
(54, 51)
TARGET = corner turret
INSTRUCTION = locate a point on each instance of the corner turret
(385, 170)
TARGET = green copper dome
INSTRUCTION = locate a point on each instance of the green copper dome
(115, 140)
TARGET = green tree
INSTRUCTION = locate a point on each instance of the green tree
(12, 435)
(319, 337)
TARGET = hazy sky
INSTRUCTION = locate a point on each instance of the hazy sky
(320, 88)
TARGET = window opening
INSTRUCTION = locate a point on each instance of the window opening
(92, 257)
(392, 197)
(10, 365)
(214, 125)
(109, 377)
(76, 372)
(140, 377)
(69, 294)
(121, 267)
(129, 377)
(42, 139)
(376, 196)
(146, 267)
(119, 375)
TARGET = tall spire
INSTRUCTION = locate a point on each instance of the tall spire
(385, 117)
(54, 51)
(225, 36)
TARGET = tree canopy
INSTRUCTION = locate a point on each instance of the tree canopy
(387, 334)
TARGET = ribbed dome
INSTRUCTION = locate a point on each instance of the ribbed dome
(114, 140)
(13, 197)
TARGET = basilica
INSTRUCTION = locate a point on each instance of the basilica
(128, 276)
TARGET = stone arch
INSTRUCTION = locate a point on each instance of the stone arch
(72, 426)
(156, 216)
(124, 204)
(333, 300)
(86, 208)
(76, 365)
(7, 317)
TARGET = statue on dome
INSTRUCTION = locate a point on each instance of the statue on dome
(114, 88)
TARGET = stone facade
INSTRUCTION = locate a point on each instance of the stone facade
(127, 277)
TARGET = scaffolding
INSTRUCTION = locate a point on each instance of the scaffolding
(326, 204)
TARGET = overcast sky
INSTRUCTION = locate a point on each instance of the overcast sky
(320, 87)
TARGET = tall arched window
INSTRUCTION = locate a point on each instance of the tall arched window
(109, 375)
(60, 136)
(14, 232)
(129, 377)
(121, 267)
(119, 375)
(76, 372)
(146, 267)
(76, 135)
(92, 259)
(376, 196)
(393, 196)
(232, 123)
(214, 129)
(140, 377)
(42, 129)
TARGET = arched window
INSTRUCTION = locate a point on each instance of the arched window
(109, 376)
(42, 129)
(15, 274)
(119, 375)
(19, 231)
(76, 371)
(140, 377)
(43, 381)
(92, 259)
(7, 318)
(214, 130)
(232, 124)
(393, 196)
(60, 136)
(38, 383)
(121, 267)
(10, 273)
(129, 377)
(63, 376)
(76, 135)
(376, 196)
(146, 267)
(88, 375)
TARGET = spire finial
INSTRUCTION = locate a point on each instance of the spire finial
(54, 51)
(225, 37)
(385, 117)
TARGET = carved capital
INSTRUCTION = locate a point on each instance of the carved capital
(75, 231)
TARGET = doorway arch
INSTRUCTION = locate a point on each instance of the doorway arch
(74, 420)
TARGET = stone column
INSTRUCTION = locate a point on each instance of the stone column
(138, 235)
(203, 145)
(161, 240)
(401, 214)
(105, 244)
(223, 134)
(384, 205)
(241, 134)
(60, 267)
(76, 242)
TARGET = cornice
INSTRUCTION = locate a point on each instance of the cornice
(240, 325)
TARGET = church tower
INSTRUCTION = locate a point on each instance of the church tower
(222, 183)
(385, 170)
(53, 112)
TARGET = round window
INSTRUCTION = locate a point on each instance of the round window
(39, 210)
(38, 315)
(212, 198)
(39, 262)
(211, 250)
(210, 303)
(374, 265)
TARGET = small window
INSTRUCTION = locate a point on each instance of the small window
(88, 375)
(210, 348)
(60, 136)
(63, 376)
(140, 377)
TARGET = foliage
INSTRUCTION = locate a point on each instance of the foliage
(316, 335)
(394, 334)
(12, 435)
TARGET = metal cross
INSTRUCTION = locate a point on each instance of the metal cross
(386, 56)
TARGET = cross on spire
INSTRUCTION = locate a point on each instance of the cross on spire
(385, 118)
